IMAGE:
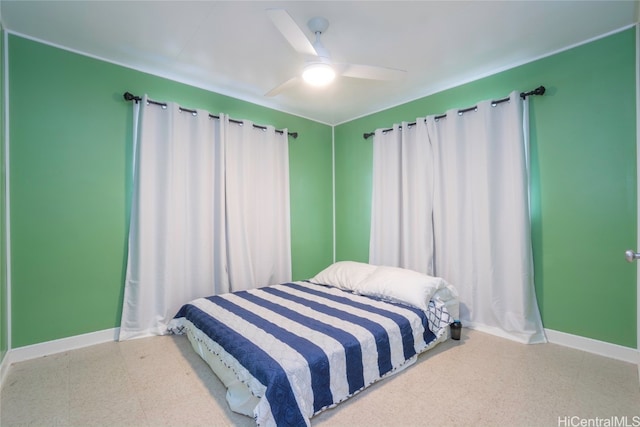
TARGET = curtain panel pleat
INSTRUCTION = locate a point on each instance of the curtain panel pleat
(401, 227)
(258, 219)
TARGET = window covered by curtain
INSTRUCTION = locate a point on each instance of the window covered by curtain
(480, 215)
(178, 239)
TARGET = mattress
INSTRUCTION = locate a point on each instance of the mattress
(287, 352)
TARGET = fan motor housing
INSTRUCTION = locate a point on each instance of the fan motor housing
(318, 24)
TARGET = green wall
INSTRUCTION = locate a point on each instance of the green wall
(70, 136)
(583, 181)
(70, 184)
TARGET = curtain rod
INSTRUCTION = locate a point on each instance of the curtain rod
(523, 95)
(131, 97)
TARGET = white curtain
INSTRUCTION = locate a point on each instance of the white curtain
(401, 227)
(258, 220)
(480, 216)
(178, 230)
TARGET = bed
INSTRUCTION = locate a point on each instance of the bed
(287, 352)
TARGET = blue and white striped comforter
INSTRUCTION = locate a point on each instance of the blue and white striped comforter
(302, 347)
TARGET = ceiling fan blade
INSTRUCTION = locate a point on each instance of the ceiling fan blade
(282, 87)
(371, 72)
(291, 31)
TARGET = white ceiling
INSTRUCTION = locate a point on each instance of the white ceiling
(233, 48)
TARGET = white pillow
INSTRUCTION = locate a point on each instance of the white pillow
(401, 285)
(344, 274)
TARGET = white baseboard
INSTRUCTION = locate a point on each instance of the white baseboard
(613, 351)
(34, 351)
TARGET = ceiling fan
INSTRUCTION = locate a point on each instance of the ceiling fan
(319, 70)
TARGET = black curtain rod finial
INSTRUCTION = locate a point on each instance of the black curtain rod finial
(540, 90)
(128, 96)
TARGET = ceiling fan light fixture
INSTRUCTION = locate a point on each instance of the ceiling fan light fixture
(318, 74)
